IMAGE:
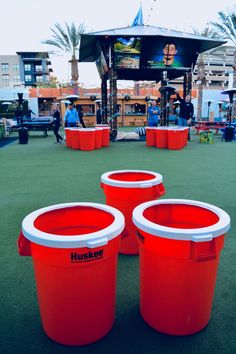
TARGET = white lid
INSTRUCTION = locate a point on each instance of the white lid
(91, 240)
(106, 179)
(99, 128)
(202, 234)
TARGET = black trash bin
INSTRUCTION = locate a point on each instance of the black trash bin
(23, 135)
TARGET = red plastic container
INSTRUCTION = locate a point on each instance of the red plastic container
(150, 136)
(176, 138)
(98, 138)
(180, 243)
(74, 249)
(161, 137)
(74, 138)
(105, 136)
(68, 137)
(87, 139)
(124, 190)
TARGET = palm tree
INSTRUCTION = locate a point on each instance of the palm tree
(68, 41)
(227, 29)
(209, 33)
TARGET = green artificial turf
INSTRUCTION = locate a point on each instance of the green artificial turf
(43, 173)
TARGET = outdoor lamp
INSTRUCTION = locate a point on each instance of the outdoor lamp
(231, 93)
(208, 107)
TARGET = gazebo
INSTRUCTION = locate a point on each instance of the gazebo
(142, 52)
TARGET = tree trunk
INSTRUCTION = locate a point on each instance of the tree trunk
(74, 73)
(201, 80)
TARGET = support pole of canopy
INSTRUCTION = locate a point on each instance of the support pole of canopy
(104, 99)
(163, 116)
(113, 102)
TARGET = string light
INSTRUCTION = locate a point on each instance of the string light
(152, 7)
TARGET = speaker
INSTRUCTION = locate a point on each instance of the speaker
(93, 98)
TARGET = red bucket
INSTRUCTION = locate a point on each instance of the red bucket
(105, 136)
(98, 138)
(74, 138)
(87, 139)
(68, 137)
(150, 136)
(177, 138)
(74, 249)
(180, 243)
(161, 137)
(124, 190)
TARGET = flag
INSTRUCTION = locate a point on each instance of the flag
(138, 20)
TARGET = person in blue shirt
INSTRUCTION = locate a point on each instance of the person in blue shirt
(71, 117)
(153, 114)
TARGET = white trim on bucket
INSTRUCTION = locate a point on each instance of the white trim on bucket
(106, 179)
(90, 240)
(197, 235)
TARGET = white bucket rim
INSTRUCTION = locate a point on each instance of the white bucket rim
(157, 179)
(82, 130)
(202, 234)
(90, 240)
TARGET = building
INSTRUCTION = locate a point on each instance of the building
(30, 69)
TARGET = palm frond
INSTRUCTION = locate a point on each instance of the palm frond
(226, 25)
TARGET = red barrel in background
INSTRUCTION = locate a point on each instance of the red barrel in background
(74, 249)
(124, 190)
(180, 243)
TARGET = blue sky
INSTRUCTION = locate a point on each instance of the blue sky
(25, 23)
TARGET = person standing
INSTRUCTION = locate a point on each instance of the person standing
(71, 117)
(99, 114)
(186, 111)
(56, 125)
(153, 114)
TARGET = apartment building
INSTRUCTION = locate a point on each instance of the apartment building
(29, 69)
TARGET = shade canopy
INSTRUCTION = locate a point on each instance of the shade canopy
(152, 41)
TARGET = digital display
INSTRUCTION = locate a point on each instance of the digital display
(101, 64)
(127, 53)
(154, 53)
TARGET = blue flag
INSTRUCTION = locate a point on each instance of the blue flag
(138, 21)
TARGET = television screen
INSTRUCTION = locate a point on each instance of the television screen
(168, 53)
(101, 64)
(154, 53)
(127, 52)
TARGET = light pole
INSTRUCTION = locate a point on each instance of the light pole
(231, 93)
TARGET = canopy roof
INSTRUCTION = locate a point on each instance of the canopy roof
(89, 50)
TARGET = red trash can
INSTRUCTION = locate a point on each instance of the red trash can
(87, 139)
(124, 190)
(161, 137)
(74, 249)
(180, 243)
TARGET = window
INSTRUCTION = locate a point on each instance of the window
(5, 77)
(38, 68)
(27, 67)
(28, 78)
(16, 67)
(39, 79)
(17, 78)
(5, 66)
